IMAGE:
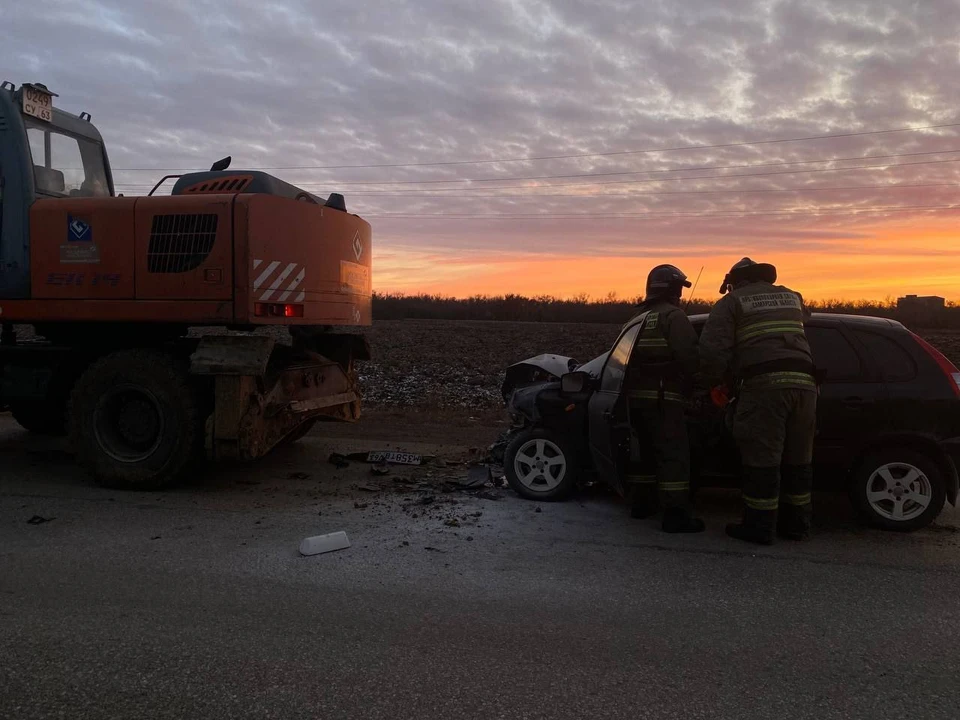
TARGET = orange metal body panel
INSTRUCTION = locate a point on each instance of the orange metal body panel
(299, 252)
(95, 264)
(172, 311)
(266, 249)
(213, 278)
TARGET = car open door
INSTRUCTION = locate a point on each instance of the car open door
(609, 414)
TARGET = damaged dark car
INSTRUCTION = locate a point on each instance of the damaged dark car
(888, 422)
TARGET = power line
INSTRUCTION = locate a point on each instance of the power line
(632, 172)
(664, 192)
(671, 179)
(645, 172)
(651, 193)
(533, 158)
(799, 212)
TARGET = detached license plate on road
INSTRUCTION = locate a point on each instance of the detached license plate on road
(397, 458)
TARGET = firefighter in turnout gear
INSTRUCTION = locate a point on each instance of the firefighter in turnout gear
(755, 338)
(659, 379)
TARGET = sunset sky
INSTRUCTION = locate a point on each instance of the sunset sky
(482, 88)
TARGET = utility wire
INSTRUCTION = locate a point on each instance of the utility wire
(799, 212)
(644, 193)
(699, 168)
(670, 179)
(532, 158)
(645, 172)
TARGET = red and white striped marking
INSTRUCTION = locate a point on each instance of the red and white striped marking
(278, 278)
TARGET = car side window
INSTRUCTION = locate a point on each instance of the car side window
(894, 362)
(613, 372)
(833, 353)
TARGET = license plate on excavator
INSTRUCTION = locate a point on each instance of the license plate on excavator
(37, 103)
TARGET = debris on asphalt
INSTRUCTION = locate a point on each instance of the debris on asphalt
(37, 520)
(478, 476)
(338, 460)
(319, 544)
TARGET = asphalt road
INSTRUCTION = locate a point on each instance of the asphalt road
(196, 604)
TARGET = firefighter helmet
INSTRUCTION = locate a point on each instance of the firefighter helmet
(666, 281)
(746, 270)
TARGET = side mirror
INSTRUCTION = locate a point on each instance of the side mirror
(575, 382)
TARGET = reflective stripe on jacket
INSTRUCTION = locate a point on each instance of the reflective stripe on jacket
(664, 358)
(756, 334)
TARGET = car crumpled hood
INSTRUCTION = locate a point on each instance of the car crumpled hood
(525, 379)
(539, 369)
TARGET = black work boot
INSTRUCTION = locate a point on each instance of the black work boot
(756, 527)
(681, 520)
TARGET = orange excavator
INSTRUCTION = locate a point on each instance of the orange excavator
(122, 293)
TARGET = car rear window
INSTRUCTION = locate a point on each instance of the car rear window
(894, 362)
(834, 354)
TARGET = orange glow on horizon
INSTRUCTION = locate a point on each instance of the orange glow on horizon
(896, 261)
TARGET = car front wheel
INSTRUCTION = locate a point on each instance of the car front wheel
(899, 489)
(540, 465)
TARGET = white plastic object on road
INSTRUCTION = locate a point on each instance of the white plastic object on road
(319, 544)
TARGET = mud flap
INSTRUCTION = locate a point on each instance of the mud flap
(263, 392)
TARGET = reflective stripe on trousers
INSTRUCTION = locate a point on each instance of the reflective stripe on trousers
(655, 395)
(782, 378)
(761, 503)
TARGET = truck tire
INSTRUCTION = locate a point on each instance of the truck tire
(135, 420)
(41, 417)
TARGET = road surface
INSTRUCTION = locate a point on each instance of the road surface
(195, 603)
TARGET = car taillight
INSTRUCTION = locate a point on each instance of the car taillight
(949, 369)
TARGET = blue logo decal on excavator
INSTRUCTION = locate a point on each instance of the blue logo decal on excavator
(78, 230)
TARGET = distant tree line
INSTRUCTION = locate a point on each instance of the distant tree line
(608, 309)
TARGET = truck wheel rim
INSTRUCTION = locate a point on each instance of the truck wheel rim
(540, 465)
(899, 491)
(128, 423)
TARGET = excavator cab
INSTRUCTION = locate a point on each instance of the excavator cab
(45, 153)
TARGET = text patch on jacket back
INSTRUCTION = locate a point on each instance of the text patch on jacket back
(770, 301)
